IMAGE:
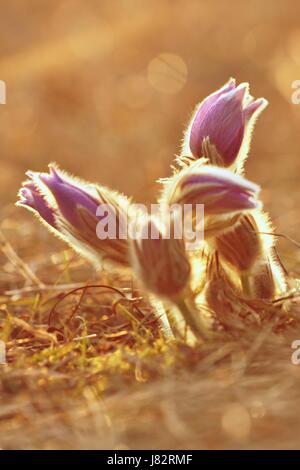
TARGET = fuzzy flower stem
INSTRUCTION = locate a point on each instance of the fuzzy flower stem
(162, 317)
(246, 285)
(192, 317)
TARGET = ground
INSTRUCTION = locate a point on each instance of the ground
(85, 369)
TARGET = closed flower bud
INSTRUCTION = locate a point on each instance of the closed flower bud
(220, 190)
(161, 263)
(164, 268)
(70, 207)
(241, 245)
(225, 195)
(221, 290)
(221, 125)
(248, 248)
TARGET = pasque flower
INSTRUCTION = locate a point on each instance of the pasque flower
(219, 133)
(211, 163)
(221, 191)
(221, 125)
(241, 245)
(247, 247)
(163, 266)
(69, 208)
(161, 263)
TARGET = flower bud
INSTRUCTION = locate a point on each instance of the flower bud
(161, 263)
(70, 207)
(240, 245)
(248, 248)
(220, 190)
(225, 195)
(221, 125)
(164, 268)
(221, 290)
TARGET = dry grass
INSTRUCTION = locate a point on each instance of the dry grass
(88, 368)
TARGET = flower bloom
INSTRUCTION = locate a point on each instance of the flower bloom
(221, 191)
(221, 125)
(69, 208)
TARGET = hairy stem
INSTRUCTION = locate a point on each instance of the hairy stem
(192, 316)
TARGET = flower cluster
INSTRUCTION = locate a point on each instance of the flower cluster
(210, 172)
(220, 131)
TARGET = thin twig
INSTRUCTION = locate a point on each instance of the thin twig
(78, 289)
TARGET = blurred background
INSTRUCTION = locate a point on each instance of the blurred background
(106, 87)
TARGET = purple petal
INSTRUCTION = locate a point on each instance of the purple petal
(68, 197)
(220, 190)
(30, 197)
(258, 104)
(206, 104)
(223, 123)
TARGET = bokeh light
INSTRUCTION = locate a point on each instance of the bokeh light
(167, 73)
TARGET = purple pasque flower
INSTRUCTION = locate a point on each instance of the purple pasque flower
(71, 207)
(220, 190)
(161, 262)
(220, 127)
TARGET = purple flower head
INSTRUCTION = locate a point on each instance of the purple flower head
(220, 190)
(71, 207)
(210, 100)
(69, 197)
(221, 123)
